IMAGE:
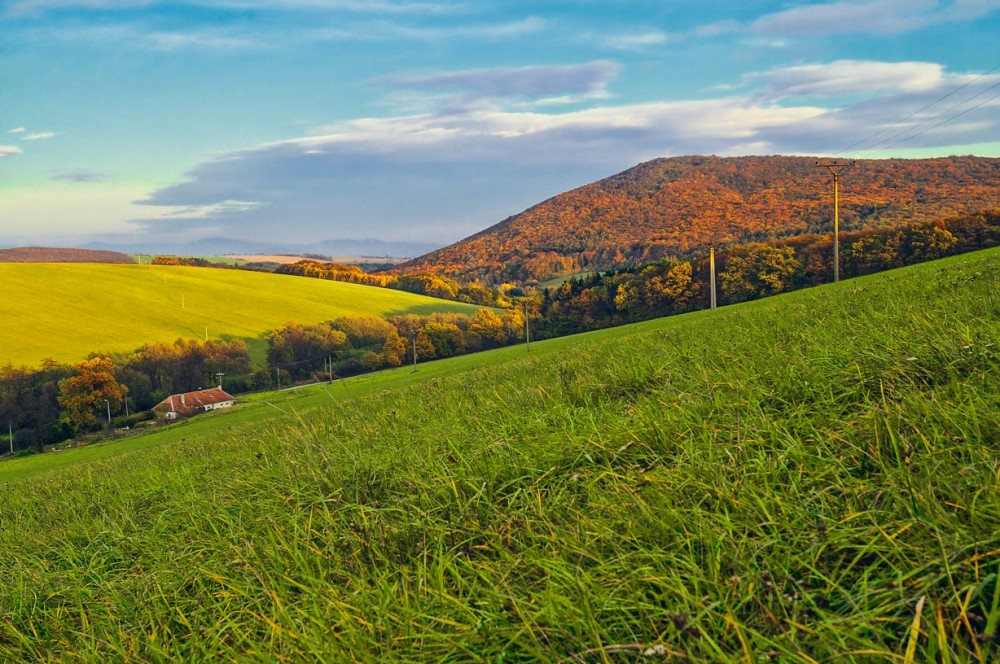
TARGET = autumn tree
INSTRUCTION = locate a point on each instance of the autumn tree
(669, 292)
(758, 270)
(394, 350)
(447, 338)
(870, 254)
(82, 396)
(513, 325)
(425, 347)
(304, 347)
(930, 242)
(488, 327)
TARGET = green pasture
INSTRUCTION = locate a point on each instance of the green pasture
(809, 478)
(559, 281)
(65, 311)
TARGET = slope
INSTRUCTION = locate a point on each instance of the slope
(674, 206)
(810, 477)
(65, 311)
(56, 255)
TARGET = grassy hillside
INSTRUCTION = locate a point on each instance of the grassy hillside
(812, 477)
(65, 311)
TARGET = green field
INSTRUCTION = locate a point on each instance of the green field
(812, 477)
(65, 311)
(559, 281)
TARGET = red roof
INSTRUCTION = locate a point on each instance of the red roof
(190, 403)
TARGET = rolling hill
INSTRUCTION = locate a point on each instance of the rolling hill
(675, 206)
(810, 477)
(57, 255)
(65, 311)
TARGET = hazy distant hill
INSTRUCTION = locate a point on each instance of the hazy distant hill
(55, 255)
(224, 245)
(673, 206)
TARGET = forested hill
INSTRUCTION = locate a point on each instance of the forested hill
(678, 205)
(55, 255)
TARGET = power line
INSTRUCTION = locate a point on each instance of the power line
(954, 117)
(921, 110)
(882, 144)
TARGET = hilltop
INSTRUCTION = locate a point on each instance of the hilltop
(65, 311)
(58, 255)
(678, 205)
(810, 477)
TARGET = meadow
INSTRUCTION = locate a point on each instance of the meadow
(811, 477)
(65, 311)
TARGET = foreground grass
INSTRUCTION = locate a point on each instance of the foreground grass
(811, 478)
(67, 310)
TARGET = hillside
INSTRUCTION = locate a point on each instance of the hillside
(675, 206)
(810, 477)
(65, 311)
(55, 255)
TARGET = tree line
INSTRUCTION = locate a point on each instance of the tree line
(55, 402)
(432, 285)
(750, 271)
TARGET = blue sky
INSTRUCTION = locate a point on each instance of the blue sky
(426, 121)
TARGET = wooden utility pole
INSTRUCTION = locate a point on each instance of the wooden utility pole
(414, 352)
(527, 330)
(711, 263)
(836, 168)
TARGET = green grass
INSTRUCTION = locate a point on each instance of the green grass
(65, 311)
(223, 260)
(814, 477)
(559, 281)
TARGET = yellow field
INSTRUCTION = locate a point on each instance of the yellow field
(65, 310)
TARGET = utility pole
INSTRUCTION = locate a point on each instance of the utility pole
(711, 263)
(836, 168)
(527, 330)
(219, 375)
(10, 430)
(125, 399)
(108, 404)
(414, 352)
(330, 365)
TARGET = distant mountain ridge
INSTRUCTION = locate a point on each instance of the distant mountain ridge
(679, 205)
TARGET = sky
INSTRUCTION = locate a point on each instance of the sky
(298, 121)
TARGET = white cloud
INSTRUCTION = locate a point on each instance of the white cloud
(17, 130)
(848, 77)
(172, 41)
(360, 6)
(868, 16)
(548, 83)
(445, 173)
(36, 7)
(389, 31)
(213, 210)
(78, 175)
(9, 151)
(635, 41)
(38, 136)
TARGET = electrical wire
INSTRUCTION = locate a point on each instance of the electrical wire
(921, 110)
